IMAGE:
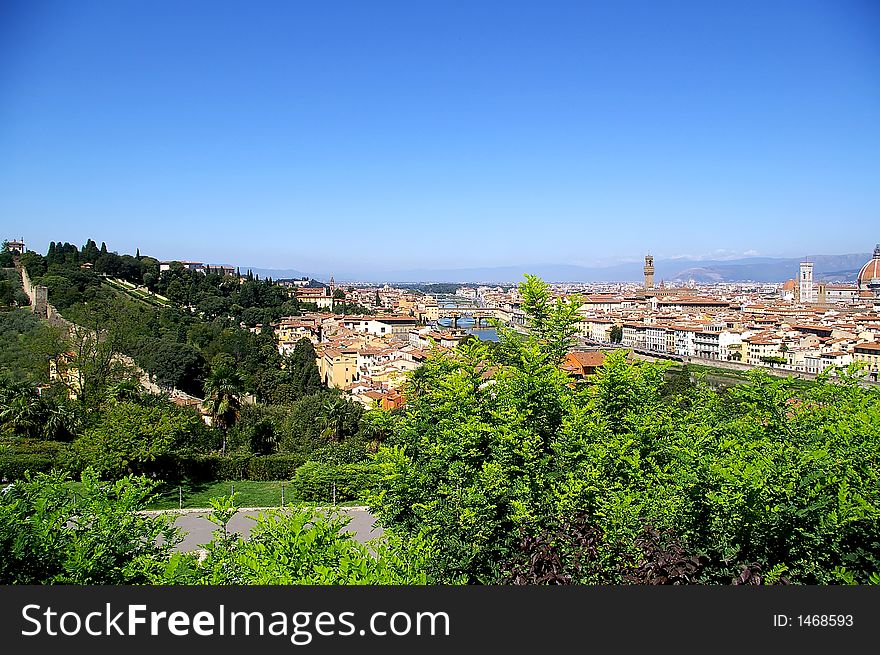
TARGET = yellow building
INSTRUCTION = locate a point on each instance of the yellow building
(338, 367)
(289, 331)
(761, 347)
(61, 370)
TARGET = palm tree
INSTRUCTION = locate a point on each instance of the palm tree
(222, 393)
(377, 424)
(332, 417)
(21, 409)
(418, 383)
(61, 421)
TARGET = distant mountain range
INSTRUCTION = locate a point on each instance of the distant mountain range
(829, 268)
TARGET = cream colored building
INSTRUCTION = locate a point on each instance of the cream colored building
(338, 367)
(869, 354)
(760, 347)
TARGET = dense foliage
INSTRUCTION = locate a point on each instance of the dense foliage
(293, 546)
(333, 483)
(131, 436)
(510, 471)
(50, 534)
(197, 334)
(174, 334)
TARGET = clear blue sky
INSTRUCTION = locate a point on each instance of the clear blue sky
(441, 134)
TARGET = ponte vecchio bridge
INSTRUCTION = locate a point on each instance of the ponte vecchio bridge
(479, 314)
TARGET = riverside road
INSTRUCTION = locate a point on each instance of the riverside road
(197, 530)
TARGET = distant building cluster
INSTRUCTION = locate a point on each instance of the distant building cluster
(800, 326)
(367, 356)
(199, 267)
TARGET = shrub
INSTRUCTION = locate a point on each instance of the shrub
(48, 535)
(314, 481)
(204, 468)
(20, 455)
(208, 468)
(273, 467)
(13, 466)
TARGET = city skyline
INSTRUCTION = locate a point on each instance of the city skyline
(839, 268)
(399, 137)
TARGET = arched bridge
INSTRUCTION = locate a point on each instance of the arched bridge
(479, 314)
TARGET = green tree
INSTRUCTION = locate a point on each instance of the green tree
(333, 416)
(48, 535)
(616, 334)
(223, 389)
(22, 412)
(377, 425)
(174, 365)
(302, 369)
(303, 430)
(552, 321)
(508, 472)
(124, 390)
(62, 420)
(131, 438)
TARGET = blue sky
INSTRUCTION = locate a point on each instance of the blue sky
(359, 135)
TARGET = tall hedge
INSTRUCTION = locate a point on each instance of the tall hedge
(314, 481)
(20, 455)
(43, 456)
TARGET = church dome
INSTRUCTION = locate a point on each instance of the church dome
(870, 271)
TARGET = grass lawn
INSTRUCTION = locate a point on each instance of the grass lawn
(132, 292)
(248, 493)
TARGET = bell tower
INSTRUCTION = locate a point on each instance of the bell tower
(649, 272)
(805, 283)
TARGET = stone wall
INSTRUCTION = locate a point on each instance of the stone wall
(36, 293)
(39, 297)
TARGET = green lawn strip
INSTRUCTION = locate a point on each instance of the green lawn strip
(135, 294)
(248, 493)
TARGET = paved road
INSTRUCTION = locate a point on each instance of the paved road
(198, 530)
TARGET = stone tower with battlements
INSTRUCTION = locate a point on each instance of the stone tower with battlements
(649, 272)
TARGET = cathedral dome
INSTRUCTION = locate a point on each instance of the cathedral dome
(870, 271)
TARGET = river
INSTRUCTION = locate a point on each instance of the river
(467, 324)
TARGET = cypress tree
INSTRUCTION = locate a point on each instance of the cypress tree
(90, 251)
(303, 368)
